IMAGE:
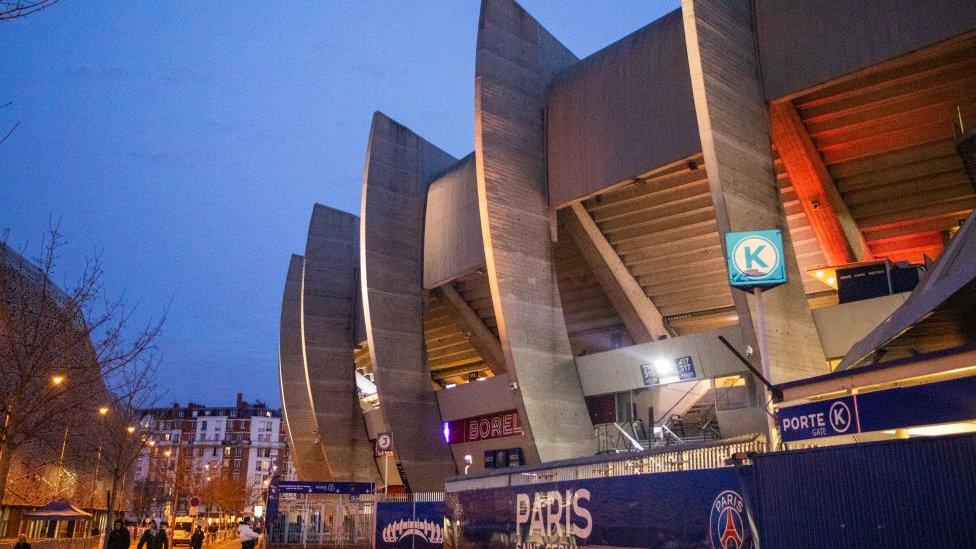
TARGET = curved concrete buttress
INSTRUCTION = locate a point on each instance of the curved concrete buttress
(296, 407)
(328, 324)
(399, 167)
(515, 61)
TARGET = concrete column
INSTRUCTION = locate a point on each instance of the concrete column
(734, 126)
(515, 60)
(303, 441)
(399, 167)
(328, 309)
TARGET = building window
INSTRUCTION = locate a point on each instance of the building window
(203, 425)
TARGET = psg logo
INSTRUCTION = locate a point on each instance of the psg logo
(726, 528)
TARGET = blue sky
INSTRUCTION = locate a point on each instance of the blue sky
(187, 141)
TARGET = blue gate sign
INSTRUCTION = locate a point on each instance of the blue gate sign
(825, 418)
(755, 259)
(914, 406)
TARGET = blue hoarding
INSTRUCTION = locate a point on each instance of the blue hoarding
(755, 259)
(405, 524)
(695, 509)
(929, 404)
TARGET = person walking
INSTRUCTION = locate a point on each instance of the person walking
(196, 540)
(119, 537)
(22, 542)
(154, 537)
(248, 537)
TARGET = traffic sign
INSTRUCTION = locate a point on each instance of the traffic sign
(755, 259)
(384, 442)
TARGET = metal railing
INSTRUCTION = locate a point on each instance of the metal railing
(658, 460)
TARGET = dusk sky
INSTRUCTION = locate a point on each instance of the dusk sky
(187, 142)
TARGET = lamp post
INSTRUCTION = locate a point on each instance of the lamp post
(56, 381)
(102, 411)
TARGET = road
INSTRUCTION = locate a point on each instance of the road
(232, 543)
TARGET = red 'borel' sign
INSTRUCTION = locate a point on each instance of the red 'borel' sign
(486, 427)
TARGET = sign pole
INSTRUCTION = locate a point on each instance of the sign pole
(386, 472)
(772, 435)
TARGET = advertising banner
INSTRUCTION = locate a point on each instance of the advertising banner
(486, 427)
(409, 525)
(694, 509)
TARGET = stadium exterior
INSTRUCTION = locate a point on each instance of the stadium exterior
(566, 281)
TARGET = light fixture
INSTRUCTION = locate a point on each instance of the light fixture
(481, 378)
(130, 429)
(103, 410)
(57, 379)
(450, 385)
(447, 432)
(824, 275)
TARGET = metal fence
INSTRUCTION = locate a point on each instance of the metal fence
(662, 460)
(326, 520)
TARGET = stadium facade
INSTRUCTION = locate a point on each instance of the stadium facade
(566, 281)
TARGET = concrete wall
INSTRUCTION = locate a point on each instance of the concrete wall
(620, 112)
(514, 62)
(399, 167)
(452, 227)
(802, 44)
(494, 394)
(841, 326)
(619, 370)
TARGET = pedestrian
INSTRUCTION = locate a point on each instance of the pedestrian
(212, 533)
(196, 540)
(154, 537)
(119, 537)
(248, 537)
(22, 542)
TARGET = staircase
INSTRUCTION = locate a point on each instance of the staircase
(699, 422)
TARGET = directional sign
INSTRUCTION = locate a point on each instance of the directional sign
(825, 418)
(755, 259)
(918, 405)
(321, 487)
(384, 442)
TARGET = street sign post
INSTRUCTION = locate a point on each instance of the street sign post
(756, 262)
(384, 444)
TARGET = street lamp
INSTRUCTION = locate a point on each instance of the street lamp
(130, 429)
(57, 379)
(103, 410)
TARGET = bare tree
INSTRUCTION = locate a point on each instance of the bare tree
(14, 9)
(121, 441)
(60, 352)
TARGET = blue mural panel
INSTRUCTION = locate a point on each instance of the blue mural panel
(409, 525)
(693, 509)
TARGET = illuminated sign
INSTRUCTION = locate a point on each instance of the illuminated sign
(668, 371)
(755, 259)
(486, 427)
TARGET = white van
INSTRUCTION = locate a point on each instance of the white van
(182, 530)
